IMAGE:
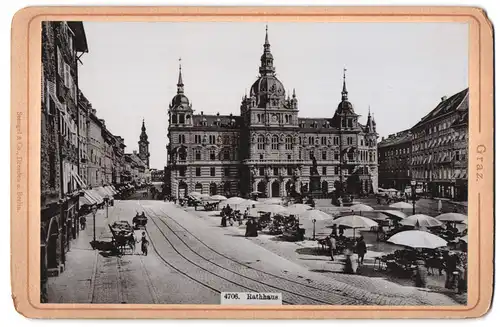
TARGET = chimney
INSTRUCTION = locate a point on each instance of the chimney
(217, 114)
(444, 98)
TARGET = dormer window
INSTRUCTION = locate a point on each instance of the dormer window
(181, 119)
(174, 119)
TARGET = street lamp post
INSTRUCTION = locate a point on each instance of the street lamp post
(413, 191)
(314, 229)
(93, 226)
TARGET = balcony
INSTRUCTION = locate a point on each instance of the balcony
(270, 162)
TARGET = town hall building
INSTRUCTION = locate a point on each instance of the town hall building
(268, 148)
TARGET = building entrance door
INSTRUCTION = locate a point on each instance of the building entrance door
(275, 189)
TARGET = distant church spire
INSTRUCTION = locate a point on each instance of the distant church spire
(144, 145)
(180, 84)
(344, 88)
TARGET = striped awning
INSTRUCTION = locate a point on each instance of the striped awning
(96, 195)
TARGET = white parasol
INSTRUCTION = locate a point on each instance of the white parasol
(452, 217)
(421, 220)
(417, 239)
(354, 222)
(314, 215)
(360, 207)
(401, 205)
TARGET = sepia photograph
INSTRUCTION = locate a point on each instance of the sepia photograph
(254, 163)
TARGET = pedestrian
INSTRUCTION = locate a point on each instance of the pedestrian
(361, 250)
(83, 222)
(341, 230)
(144, 244)
(420, 274)
(334, 230)
(451, 264)
(332, 242)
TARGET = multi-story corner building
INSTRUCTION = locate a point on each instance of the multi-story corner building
(134, 170)
(439, 147)
(95, 148)
(268, 148)
(61, 43)
(394, 161)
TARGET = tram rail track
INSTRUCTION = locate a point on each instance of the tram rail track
(289, 290)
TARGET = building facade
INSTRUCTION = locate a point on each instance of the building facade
(268, 148)
(394, 161)
(60, 157)
(440, 149)
(95, 145)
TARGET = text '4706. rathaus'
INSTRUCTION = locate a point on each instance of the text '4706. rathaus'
(268, 148)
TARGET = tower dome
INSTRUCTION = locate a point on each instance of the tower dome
(180, 100)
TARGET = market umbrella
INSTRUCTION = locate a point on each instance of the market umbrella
(314, 215)
(391, 190)
(247, 204)
(297, 208)
(452, 217)
(394, 214)
(465, 239)
(218, 197)
(401, 205)
(195, 194)
(360, 207)
(421, 220)
(273, 201)
(270, 208)
(354, 222)
(417, 239)
(231, 201)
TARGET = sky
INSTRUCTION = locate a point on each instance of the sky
(399, 70)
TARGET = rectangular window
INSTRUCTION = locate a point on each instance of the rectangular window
(324, 170)
(336, 156)
(349, 140)
(182, 171)
(212, 139)
(261, 171)
(227, 172)
(212, 155)
(212, 171)
(289, 171)
(276, 171)
(197, 155)
(174, 119)
(182, 138)
(336, 140)
(60, 63)
(198, 171)
(323, 155)
(336, 170)
(226, 155)
(181, 119)
(197, 139)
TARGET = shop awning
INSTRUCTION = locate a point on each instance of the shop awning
(102, 192)
(79, 180)
(87, 199)
(463, 175)
(96, 195)
(110, 190)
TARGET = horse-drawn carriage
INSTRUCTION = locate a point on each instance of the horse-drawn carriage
(123, 236)
(139, 221)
